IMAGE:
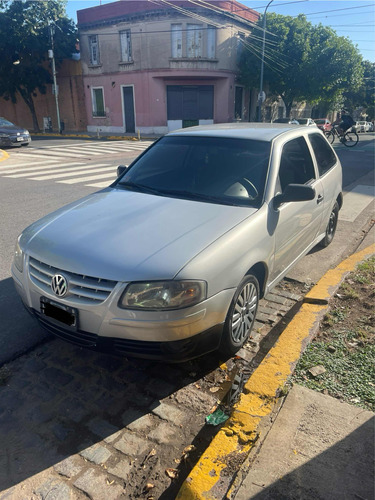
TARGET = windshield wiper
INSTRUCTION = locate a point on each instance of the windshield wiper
(197, 196)
(139, 187)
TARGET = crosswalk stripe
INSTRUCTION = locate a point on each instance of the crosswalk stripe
(92, 178)
(64, 152)
(70, 173)
(98, 185)
(78, 150)
(15, 168)
(31, 170)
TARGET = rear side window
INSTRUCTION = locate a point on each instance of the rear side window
(325, 157)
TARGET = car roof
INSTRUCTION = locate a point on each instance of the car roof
(250, 130)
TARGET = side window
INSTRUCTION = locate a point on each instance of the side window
(176, 35)
(325, 157)
(94, 49)
(98, 108)
(296, 166)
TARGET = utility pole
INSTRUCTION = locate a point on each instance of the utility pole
(51, 55)
(261, 95)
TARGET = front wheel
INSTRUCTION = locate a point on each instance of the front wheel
(330, 136)
(331, 226)
(350, 139)
(241, 316)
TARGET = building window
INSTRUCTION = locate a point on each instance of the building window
(94, 49)
(211, 42)
(126, 46)
(98, 108)
(176, 40)
(194, 41)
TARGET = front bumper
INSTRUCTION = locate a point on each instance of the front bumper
(173, 351)
(177, 335)
(16, 140)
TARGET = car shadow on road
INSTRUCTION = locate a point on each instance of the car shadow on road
(107, 412)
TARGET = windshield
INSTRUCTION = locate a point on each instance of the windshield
(302, 121)
(320, 122)
(210, 169)
(5, 123)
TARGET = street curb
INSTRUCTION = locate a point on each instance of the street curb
(237, 436)
(3, 155)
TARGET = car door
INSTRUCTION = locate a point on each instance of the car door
(298, 223)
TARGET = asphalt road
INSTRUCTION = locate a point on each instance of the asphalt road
(27, 193)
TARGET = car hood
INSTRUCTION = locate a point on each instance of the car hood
(124, 236)
(11, 129)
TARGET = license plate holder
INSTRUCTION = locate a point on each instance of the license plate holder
(59, 312)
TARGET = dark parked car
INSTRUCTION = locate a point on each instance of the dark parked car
(12, 135)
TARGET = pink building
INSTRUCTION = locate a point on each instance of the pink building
(156, 66)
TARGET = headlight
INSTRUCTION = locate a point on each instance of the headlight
(18, 256)
(26, 132)
(161, 295)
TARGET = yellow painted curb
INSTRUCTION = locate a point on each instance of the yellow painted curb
(260, 393)
(4, 155)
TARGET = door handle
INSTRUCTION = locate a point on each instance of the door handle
(320, 199)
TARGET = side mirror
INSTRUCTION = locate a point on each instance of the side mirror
(121, 169)
(294, 192)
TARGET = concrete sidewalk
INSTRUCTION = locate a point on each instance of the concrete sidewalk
(317, 448)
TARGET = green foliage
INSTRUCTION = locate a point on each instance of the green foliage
(349, 372)
(25, 37)
(345, 345)
(302, 62)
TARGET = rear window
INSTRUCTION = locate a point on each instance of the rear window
(324, 155)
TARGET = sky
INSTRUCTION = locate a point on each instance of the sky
(354, 19)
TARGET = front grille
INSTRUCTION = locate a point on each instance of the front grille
(82, 289)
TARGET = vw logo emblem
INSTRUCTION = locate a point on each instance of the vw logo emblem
(59, 285)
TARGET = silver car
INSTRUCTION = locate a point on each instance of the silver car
(170, 261)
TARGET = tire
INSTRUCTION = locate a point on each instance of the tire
(241, 316)
(331, 226)
(350, 139)
(330, 136)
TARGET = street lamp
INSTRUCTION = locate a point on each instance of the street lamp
(262, 95)
(51, 55)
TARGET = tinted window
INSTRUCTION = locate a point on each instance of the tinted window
(213, 169)
(296, 166)
(325, 157)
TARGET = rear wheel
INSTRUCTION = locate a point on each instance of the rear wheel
(350, 139)
(330, 136)
(241, 316)
(331, 226)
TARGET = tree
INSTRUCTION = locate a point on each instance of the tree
(302, 62)
(25, 28)
(363, 99)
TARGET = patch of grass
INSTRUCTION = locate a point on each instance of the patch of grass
(335, 316)
(350, 372)
(345, 344)
(364, 272)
